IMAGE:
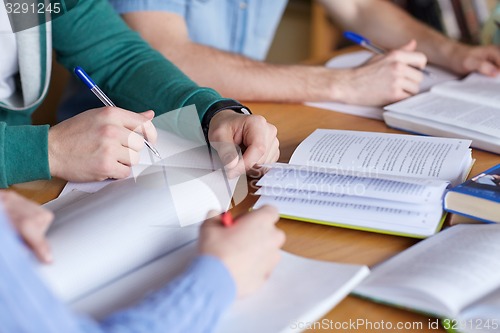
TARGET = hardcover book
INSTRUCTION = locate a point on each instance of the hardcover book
(478, 198)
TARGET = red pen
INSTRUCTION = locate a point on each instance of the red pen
(227, 219)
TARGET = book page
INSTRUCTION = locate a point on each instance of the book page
(482, 316)
(344, 198)
(415, 223)
(442, 274)
(424, 191)
(143, 218)
(356, 59)
(476, 88)
(451, 111)
(273, 308)
(383, 153)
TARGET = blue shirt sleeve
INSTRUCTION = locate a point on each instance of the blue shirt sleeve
(193, 302)
(127, 6)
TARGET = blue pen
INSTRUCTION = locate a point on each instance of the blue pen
(365, 42)
(82, 75)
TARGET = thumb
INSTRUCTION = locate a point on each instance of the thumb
(223, 143)
(42, 251)
(410, 46)
(150, 114)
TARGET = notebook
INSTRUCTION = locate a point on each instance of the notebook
(113, 247)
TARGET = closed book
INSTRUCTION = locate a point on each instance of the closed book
(478, 198)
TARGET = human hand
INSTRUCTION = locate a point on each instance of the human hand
(465, 59)
(249, 248)
(99, 144)
(31, 222)
(228, 128)
(382, 80)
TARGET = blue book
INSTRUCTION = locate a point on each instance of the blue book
(478, 198)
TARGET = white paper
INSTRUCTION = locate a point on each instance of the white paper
(384, 153)
(299, 289)
(443, 274)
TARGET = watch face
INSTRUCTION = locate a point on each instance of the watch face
(245, 111)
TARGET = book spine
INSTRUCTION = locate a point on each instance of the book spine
(449, 19)
(459, 14)
(471, 21)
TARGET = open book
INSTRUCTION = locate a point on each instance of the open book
(389, 183)
(453, 275)
(467, 109)
(115, 246)
(355, 59)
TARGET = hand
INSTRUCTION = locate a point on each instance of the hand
(99, 144)
(228, 128)
(249, 249)
(30, 220)
(384, 79)
(483, 59)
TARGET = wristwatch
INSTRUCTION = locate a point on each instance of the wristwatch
(218, 107)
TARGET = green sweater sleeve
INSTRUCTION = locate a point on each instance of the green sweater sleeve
(135, 76)
(25, 152)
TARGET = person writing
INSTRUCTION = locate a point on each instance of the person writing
(227, 53)
(102, 143)
(231, 262)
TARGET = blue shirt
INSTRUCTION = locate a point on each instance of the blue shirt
(246, 27)
(193, 302)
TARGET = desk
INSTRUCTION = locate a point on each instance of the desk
(295, 122)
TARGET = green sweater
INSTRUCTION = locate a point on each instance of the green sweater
(92, 36)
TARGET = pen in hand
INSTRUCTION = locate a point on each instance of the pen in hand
(85, 78)
(367, 44)
(227, 219)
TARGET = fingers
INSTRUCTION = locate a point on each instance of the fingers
(31, 222)
(410, 46)
(227, 152)
(128, 157)
(40, 247)
(118, 170)
(136, 122)
(33, 229)
(487, 68)
(228, 129)
(409, 58)
(485, 60)
(260, 139)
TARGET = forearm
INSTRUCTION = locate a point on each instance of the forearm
(129, 71)
(391, 27)
(231, 74)
(245, 79)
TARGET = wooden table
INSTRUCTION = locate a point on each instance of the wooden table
(295, 122)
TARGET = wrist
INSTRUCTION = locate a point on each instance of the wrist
(338, 85)
(452, 56)
(223, 107)
(52, 154)
(321, 85)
